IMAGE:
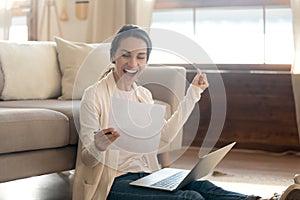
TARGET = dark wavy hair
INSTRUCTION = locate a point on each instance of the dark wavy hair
(130, 30)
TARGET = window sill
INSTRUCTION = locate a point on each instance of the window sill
(247, 68)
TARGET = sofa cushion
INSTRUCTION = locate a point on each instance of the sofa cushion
(68, 108)
(33, 163)
(170, 90)
(30, 70)
(32, 129)
(77, 66)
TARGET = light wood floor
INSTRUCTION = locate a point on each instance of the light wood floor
(247, 172)
(250, 172)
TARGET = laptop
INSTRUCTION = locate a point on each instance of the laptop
(171, 179)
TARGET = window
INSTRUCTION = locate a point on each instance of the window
(279, 40)
(231, 35)
(255, 34)
(19, 29)
(179, 20)
(17, 20)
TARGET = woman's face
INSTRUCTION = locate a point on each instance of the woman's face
(130, 59)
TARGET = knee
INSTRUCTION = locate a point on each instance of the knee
(191, 195)
(199, 185)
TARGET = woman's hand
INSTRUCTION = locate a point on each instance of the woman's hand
(103, 138)
(200, 80)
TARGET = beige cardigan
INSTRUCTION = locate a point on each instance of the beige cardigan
(96, 170)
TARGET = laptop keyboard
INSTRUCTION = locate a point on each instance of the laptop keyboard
(170, 181)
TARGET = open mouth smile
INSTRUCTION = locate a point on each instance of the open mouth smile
(130, 72)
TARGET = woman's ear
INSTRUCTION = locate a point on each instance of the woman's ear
(113, 59)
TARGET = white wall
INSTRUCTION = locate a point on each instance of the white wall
(73, 29)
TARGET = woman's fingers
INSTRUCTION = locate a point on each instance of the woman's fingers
(103, 138)
(113, 136)
(200, 80)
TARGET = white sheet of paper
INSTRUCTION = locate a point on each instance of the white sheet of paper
(139, 125)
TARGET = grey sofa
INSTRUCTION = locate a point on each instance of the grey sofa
(39, 133)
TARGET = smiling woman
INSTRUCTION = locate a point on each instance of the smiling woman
(129, 61)
(130, 50)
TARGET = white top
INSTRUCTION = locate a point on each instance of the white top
(129, 161)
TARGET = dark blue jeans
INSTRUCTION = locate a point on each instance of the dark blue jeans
(196, 190)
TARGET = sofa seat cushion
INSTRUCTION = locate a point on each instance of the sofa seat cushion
(68, 108)
(32, 129)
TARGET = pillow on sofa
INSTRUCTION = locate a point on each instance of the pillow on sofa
(81, 64)
(30, 70)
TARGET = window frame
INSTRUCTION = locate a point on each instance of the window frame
(29, 9)
(169, 4)
(176, 4)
